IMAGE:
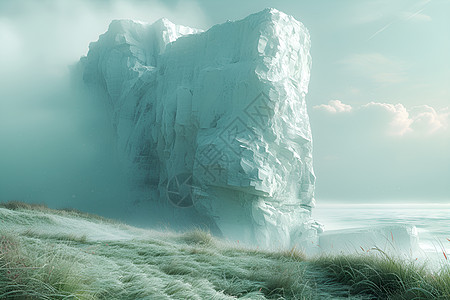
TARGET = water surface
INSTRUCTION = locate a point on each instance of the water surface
(432, 220)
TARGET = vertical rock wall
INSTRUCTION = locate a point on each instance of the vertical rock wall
(215, 122)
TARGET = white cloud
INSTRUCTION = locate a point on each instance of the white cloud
(427, 120)
(334, 106)
(393, 119)
(376, 67)
(395, 115)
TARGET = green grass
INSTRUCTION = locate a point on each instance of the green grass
(48, 254)
(384, 277)
(18, 206)
(39, 271)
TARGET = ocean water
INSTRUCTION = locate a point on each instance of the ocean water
(431, 220)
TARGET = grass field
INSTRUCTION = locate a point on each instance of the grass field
(66, 254)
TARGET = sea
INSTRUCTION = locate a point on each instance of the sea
(432, 221)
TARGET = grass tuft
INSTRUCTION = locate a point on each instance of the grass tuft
(69, 237)
(40, 271)
(198, 236)
(18, 205)
(384, 277)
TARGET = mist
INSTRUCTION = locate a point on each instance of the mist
(56, 144)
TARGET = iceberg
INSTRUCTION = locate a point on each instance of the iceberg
(390, 239)
(214, 123)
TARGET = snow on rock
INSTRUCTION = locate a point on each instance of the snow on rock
(214, 122)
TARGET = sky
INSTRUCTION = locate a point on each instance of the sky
(378, 98)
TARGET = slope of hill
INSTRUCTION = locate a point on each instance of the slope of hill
(52, 254)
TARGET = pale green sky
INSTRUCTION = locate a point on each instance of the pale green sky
(384, 65)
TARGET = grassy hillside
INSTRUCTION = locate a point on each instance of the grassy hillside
(50, 254)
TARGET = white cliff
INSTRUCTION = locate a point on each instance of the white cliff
(214, 122)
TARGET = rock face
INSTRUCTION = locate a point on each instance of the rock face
(214, 122)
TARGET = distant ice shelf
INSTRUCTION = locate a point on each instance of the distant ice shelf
(390, 239)
(214, 122)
